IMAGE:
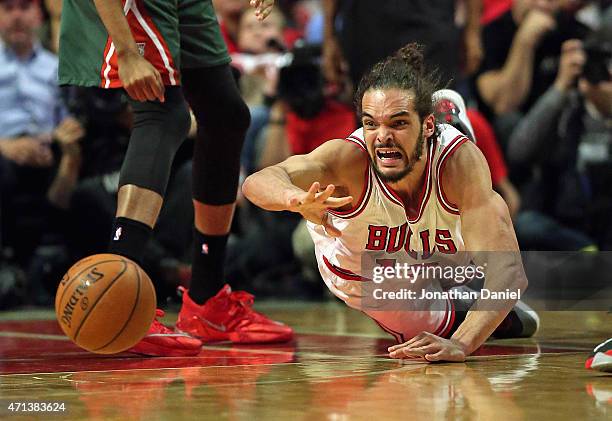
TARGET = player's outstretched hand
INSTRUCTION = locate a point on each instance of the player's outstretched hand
(262, 8)
(313, 205)
(429, 347)
(140, 79)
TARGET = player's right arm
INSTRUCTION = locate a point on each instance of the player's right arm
(140, 79)
(295, 184)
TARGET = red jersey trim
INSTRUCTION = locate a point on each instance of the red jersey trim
(357, 141)
(142, 27)
(341, 273)
(446, 153)
(445, 327)
(153, 33)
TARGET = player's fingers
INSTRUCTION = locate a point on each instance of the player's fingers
(139, 94)
(312, 191)
(438, 356)
(409, 342)
(404, 347)
(428, 349)
(337, 202)
(325, 194)
(148, 88)
(405, 352)
(420, 343)
(142, 87)
(157, 85)
(131, 91)
(413, 352)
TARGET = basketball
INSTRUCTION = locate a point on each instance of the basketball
(105, 303)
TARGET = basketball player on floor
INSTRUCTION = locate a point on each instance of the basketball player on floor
(158, 51)
(420, 178)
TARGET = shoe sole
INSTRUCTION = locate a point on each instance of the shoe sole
(528, 317)
(456, 98)
(602, 362)
(244, 340)
(153, 350)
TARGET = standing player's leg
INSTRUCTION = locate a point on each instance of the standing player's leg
(89, 57)
(211, 311)
(159, 129)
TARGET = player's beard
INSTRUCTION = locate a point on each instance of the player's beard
(415, 157)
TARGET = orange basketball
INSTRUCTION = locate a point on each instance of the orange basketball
(105, 303)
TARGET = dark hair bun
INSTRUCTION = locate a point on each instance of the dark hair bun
(412, 55)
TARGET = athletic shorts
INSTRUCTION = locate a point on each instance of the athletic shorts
(170, 34)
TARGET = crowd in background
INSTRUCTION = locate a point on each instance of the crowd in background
(535, 75)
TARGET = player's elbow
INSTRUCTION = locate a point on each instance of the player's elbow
(249, 186)
(520, 282)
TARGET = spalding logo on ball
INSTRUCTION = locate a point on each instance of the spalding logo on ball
(105, 303)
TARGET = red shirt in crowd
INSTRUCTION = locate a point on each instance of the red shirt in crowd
(336, 121)
(487, 143)
(492, 9)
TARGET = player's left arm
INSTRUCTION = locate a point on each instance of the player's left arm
(488, 234)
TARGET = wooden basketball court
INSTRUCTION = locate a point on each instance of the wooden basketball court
(336, 369)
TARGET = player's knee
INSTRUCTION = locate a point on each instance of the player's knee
(159, 130)
(230, 114)
(179, 118)
(240, 118)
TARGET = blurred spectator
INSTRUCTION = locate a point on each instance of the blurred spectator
(298, 14)
(567, 135)
(260, 45)
(32, 120)
(295, 116)
(357, 34)
(302, 114)
(521, 50)
(229, 13)
(31, 117)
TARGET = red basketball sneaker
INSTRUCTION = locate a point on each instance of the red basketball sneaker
(229, 316)
(161, 341)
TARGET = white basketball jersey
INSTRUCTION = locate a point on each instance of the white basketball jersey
(379, 222)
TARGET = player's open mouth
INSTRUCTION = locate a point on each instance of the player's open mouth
(388, 156)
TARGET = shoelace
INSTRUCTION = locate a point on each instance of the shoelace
(159, 325)
(244, 302)
(242, 298)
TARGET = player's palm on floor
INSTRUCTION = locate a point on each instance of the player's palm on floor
(429, 347)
